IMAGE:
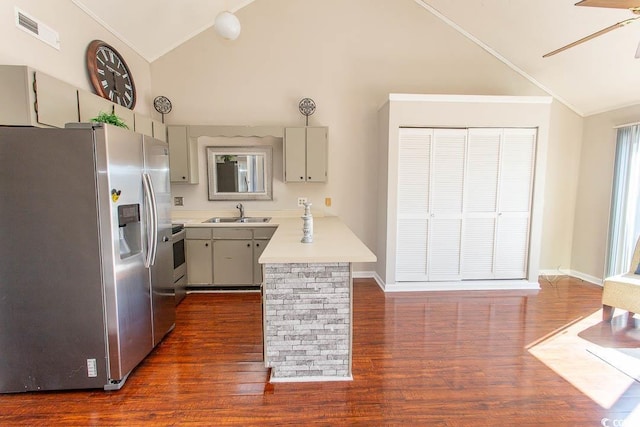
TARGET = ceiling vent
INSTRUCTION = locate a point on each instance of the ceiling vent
(37, 29)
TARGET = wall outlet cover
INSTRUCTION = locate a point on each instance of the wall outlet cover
(301, 201)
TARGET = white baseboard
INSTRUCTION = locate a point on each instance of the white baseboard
(586, 277)
(467, 285)
(555, 272)
(472, 284)
(369, 275)
(572, 273)
(364, 274)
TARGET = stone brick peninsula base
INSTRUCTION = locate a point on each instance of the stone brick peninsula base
(308, 321)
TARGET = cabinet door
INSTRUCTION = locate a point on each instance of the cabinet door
(316, 154)
(159, 130)
(233, 262)
(57, 101)
(143, 125)
(199, 261)
(258, 248)
(90, 105)
(125, 114)
(178, 153)
(18, 97)
(295, 154)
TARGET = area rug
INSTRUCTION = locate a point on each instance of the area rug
(626, 360)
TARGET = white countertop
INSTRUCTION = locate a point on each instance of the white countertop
(333, 241)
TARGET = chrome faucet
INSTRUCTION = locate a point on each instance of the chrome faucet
(239, 206)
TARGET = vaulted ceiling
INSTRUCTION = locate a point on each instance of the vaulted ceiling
(599, 75)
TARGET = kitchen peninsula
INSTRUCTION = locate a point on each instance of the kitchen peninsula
(307, 295)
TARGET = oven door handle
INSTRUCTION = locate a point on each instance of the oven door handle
(179, 235)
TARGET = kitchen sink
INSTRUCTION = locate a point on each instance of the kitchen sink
(251, 219)
(218, 219)
(254, 219)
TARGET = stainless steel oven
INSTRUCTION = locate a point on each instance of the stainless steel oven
(179, 261)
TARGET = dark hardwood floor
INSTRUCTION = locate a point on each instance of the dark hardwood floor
(428, 359)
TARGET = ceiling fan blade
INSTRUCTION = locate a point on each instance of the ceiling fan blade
(592, 36)
(615, 4)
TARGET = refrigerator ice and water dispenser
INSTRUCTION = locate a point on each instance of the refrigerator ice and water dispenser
(129, 230)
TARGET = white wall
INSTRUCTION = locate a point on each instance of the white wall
(563, 164)
(594, 191)
(348, 56)
(76, 31)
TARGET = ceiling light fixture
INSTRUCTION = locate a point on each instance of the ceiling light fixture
(227, 25)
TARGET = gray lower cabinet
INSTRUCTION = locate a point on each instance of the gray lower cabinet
(233, 262)
(224, 256)
(199, 261)
(258, 248)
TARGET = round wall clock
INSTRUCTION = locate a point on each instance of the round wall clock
(110, 75)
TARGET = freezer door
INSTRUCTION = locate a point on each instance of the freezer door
(126, 280)
(51, 318)
(156, 162)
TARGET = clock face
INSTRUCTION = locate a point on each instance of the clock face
(110, 75)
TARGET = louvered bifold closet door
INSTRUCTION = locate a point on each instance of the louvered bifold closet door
(414, 170)
(517, 163)
(445, 219)
(481, 203)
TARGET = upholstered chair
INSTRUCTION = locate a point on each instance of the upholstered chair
(623, 291)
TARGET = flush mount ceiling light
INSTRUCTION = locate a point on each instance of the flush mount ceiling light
(227, 25)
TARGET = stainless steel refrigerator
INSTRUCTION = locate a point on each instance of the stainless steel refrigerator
(86, 267)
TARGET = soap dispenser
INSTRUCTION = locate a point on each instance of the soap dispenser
(307, 226)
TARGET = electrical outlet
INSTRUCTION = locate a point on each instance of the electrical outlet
(301, 201)
(178, 201)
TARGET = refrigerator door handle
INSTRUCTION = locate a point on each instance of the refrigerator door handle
(152, 223)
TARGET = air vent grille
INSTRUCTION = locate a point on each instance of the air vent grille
(37, 29)
(27, 23)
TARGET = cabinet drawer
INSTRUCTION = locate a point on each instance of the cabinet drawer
(263, 232)
(232, 233)
(198, 233)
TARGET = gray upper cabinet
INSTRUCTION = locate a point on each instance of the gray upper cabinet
(126, 115)
(183, 156)
(143, 124)
(32, 98)
(56, 101)
(159, 130)
(90, 105)
(305, 154)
